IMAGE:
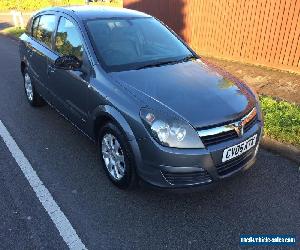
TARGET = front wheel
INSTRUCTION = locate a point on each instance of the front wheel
(116, 156)
(32, 96)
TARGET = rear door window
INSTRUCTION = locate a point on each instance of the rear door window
(45, 29)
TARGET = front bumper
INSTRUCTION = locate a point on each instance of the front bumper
(182, 168)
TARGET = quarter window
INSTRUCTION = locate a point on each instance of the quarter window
(28, 27)
(35, 26)
(68, 39)
(45, 29)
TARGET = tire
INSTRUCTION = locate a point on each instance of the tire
(32, 95)
(123, 175)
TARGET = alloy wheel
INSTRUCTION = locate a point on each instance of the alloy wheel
(113, 156)
(28, 87)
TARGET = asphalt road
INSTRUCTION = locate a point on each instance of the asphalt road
(265, 199)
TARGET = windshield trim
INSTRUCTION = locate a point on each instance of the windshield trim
(132, 66)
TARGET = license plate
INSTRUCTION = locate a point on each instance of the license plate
(237, 150)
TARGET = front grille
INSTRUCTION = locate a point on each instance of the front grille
(234, 164)
(187, 178)
(226, 136)
(218, 138)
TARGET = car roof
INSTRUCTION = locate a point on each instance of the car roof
(91, 12)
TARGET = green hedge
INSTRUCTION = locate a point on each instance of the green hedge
(31, 5)
(282, 120)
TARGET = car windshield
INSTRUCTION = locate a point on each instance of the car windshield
(134, 43)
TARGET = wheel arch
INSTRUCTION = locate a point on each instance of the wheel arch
(23, 67)
(106, 113)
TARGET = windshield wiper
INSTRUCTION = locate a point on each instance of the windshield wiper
(158, 64)
(188, 58)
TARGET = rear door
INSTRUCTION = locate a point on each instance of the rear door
(69, 88)
(40, 49)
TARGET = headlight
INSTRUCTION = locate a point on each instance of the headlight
(170, 130)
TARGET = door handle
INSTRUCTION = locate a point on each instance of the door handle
(29, 52)
(51, 69)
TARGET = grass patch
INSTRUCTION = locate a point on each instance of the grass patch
(282, 120)
(32, 5)
(116, 3)
(13, 31)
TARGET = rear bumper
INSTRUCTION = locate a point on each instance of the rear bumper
(185, 168)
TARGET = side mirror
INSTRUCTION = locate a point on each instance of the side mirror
(68, 63)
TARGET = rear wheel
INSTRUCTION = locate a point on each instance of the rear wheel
(116, 156)
(32, 96)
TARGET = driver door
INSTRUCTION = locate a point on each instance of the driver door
(69, 88)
